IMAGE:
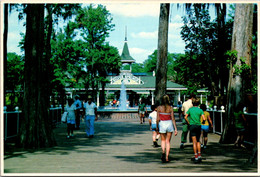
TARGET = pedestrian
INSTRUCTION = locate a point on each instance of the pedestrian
(78, 107)
(152, 121)
(142, 110)
(240, 124)
(179, 106)
(71, 109)
(166, 125)
(194, 114)
(205, 126)
(90, 116)
(185, 128)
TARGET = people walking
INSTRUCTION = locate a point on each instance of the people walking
(78, 107)
(152, 121)
(71, 109)
(179, 106)
(166, 125)
(142, 110)
(90, 116)
(240, 124)
(185, 128)
(205, 126)
(193, 119)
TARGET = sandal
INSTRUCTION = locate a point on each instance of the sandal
(163, 158)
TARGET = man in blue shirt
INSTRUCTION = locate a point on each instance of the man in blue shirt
(78, 107)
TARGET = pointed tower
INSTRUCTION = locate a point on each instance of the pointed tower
(126, 58)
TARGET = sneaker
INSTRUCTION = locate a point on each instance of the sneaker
(71, 135)
(201, 145)
(68, 137)
(182, 146)
(205, 147)
(199, 159)
(155, 144)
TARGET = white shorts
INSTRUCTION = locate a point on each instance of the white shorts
(166, 126)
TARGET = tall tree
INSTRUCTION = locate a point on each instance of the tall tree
(161, 66)
(35, 130)
(95, 23)
(241, 45)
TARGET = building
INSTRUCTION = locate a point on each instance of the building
(137, 85)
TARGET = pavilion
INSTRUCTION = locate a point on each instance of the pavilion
(137, 85)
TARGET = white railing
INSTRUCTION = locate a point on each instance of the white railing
(12, 120)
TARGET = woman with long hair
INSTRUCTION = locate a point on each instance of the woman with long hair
(166, 125)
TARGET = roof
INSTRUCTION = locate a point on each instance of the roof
(148, 83)
(125, 57)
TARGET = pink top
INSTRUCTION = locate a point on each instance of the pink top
(165, 116)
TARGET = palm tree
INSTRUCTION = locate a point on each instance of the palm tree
(161, 66)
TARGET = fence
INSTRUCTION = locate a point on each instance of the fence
(12, 120)
(218, 118)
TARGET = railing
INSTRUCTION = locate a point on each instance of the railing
(218, 118)
(12, 120)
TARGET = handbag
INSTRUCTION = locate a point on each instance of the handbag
(64, 117)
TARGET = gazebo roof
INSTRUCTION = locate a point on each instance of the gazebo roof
(125, 57)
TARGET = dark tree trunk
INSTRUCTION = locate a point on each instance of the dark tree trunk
(35, 131)
(161, 66)
(102, 94)
(5, 48)
(242, 43)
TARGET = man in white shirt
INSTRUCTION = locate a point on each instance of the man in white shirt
(90, 116)
(185, 128)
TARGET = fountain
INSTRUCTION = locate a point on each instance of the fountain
(122, 99)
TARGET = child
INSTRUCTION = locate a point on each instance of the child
(194, 114)
(71, 109)
(205, 126)
(152, 122)
(240, 122)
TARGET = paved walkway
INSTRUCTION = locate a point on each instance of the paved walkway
(124, 146)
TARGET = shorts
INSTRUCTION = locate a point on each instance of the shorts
(205, 128)
(141, 112)
(166, 126)
(240, 131)
(70, 121)
(153, 127)
(195, 130)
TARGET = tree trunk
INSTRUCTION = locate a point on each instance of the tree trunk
(242, 43)
(102, 94)
(5, 48)
(35, 131)
(161, 66)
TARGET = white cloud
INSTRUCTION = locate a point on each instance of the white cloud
(145, 35)
(134, 10)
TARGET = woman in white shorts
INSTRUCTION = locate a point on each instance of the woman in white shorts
(166, 124)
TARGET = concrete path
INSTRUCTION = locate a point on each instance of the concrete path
(123, 147)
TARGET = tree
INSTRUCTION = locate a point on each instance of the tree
(35, 130)
(241, 47)
(161, 66)
(95, 24)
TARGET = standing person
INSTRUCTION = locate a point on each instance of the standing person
(185, 128)
(179, 106)
(240, 124)
(71, 109)
(78, 107)
(142, 110)
(205, 126)
(152, 122)
(165, 116)
(90, 116)
(194, 114)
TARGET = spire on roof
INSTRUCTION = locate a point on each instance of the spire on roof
(125, 33)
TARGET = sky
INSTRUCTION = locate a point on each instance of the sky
(141, 21)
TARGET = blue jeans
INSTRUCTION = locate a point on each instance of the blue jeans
(89, 122)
